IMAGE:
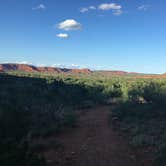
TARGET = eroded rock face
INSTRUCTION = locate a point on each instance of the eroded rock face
(14, 67)
(30, 68)
(48, 69)
(1, 68)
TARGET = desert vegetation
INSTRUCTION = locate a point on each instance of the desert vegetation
(36, 105)
(142, 117)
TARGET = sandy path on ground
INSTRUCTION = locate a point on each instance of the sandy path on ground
(93, 143)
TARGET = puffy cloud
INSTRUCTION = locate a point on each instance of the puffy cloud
(17, 62)
(62, 35)
(116, 9)
(86, 9)
(144, 7)
(74, 66)
(23, 62)
(109, 6)
(69, 24)
(58, 65)
(39, 7)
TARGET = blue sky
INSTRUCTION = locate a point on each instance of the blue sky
(100, 34)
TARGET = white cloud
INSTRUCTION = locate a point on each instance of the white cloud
(74, 66)
(17, 62)
(92, 7)
(39, 7)
(69, 66)
(116, 9)
(62, 35)
(144, 7)
(84, 9)
(117, 12)
(69, 24)
(58, 65)
(41, 65)
(23, 62)
(109, 6)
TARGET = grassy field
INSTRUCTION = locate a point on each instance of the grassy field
(35, 105)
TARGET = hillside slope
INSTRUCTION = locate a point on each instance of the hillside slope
(30, 68)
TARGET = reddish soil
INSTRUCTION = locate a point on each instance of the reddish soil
(93, 143)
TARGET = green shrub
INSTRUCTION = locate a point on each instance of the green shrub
(142, 140)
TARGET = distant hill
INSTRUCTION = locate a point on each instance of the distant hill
(29, 68)
(117, 72)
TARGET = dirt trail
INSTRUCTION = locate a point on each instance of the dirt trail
(93, 143)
